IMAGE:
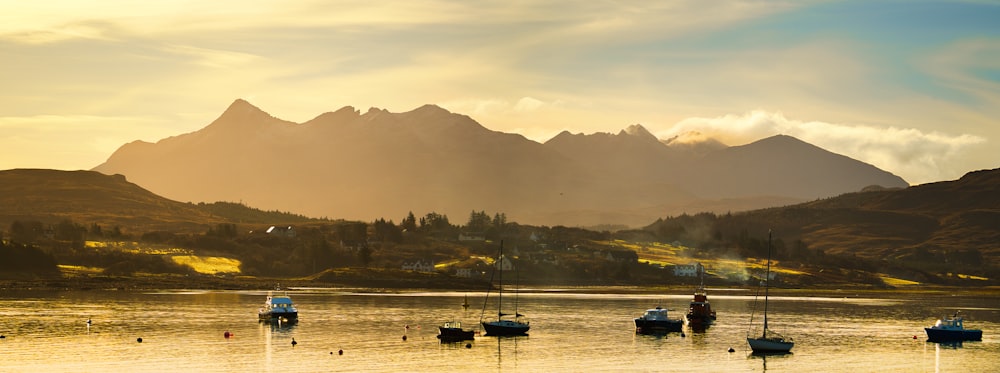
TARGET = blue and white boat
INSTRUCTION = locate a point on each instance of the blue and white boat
(952, 330)
(278, 309)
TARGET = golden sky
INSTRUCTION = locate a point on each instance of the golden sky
(913, 89)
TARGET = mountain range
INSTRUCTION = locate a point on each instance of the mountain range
(378, 164)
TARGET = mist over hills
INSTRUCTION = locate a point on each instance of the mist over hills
(378, 164)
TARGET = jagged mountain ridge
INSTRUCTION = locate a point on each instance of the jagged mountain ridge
(345, 164)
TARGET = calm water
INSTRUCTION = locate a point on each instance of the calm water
(183, 331)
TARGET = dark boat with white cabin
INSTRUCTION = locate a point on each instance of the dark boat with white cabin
(952, 329)
(452, 331)
(655, 321)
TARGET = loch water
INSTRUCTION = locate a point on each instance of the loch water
(571, 331)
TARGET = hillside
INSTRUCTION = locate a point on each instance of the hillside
(940, 228)
(927, 234)
(378, 164)
(51, 196)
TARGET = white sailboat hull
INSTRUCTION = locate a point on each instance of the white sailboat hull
(762, 345)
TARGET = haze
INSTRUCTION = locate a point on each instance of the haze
(911, 88)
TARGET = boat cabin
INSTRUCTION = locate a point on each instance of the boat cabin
(951, 323)
(280, 303)
(655, 314)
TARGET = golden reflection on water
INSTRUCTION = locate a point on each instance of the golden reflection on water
(183, 331)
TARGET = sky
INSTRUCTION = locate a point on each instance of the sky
(912, 87)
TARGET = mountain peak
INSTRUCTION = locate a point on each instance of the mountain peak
(636, 130)
(431, 109)
(241, 106)
(343, 114)
(241, 111)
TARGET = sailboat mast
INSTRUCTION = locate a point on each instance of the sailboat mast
(767, 280)
(499, 269)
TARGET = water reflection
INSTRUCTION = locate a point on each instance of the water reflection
(49, 333)
(949, 345)
(510, 344)
(763, 356)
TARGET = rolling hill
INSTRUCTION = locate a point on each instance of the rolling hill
(916, 232)
(942, 226)
(91, 197)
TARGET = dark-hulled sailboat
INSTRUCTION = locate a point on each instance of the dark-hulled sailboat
(769, 341)
(503, 326)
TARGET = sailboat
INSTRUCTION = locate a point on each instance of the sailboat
(769, 341)
(502, 326)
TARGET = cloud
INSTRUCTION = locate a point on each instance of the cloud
(499, 107)
(212, 58)
(915, 155)
(969, 66)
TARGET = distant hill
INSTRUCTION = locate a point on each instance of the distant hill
(950, 224)
(345, 164)
(88, 197)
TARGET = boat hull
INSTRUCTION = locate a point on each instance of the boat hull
(643, 326)
(279, 316)
(765, 346)
(505, 327)
(700, 312)
(455, 334)
(945, 335)
(700, 319)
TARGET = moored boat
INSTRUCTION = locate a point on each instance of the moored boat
(501, 326)
(700, 313)
(278, 309)
(452, 331)
(769, 342)
(655, 321)
(952, 329)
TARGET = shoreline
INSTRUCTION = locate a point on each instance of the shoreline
(368, 281)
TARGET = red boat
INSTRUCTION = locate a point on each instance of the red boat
(700, 313)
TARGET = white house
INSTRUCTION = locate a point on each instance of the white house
(504, 264)
(419, 266)
(281, 231)
(688, 270)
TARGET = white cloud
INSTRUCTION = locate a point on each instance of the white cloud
(965, 65)
(915, 155)
(212, 57)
